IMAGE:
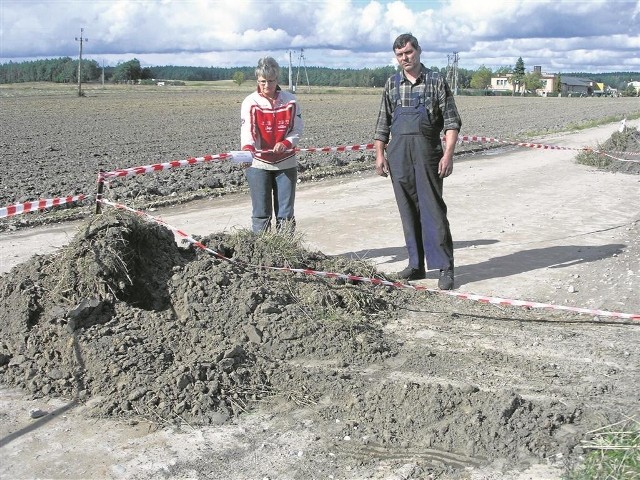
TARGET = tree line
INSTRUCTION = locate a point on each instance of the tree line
(65, 70)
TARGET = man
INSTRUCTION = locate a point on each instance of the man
(417, 105)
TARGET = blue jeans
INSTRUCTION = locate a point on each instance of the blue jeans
(272, 191)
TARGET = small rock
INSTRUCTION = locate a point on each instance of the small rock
(137, 393)
(183, 381)
(226, 364)
(255, 335)
(235, 351)
(468, 388)
(56, 374)
(37, 413)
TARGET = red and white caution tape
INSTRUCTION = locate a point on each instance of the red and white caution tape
(479, 139)
(340, 148)
(625, 153)
(156, 167)
(617, 158)
(41, 204)
(159, 221)
(382, 282)
(528, 304)
(126, 172)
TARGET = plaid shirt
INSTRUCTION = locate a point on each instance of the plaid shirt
(442, 107)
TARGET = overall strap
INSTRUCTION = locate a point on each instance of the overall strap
(397, 101)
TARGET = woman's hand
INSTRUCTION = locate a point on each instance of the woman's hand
(279, 147)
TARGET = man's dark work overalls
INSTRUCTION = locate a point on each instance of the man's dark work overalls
(413, 154)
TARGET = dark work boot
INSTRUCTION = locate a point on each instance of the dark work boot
(412, 273)
(445, 282)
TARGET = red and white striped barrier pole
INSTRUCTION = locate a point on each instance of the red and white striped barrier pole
(100, 191)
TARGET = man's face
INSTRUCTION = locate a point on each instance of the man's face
(408, 58)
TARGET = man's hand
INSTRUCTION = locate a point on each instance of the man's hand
(382, 166)
(445, 167)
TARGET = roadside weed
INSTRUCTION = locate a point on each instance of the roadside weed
(613, 453)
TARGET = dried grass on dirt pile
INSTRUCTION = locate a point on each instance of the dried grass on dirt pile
(623, 145)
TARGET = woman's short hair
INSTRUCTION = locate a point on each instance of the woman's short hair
(268, 68)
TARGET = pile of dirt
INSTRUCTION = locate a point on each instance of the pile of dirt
(622, 152)
(123, 312)
(126, 316)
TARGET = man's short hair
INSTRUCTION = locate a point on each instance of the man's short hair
(403, 39)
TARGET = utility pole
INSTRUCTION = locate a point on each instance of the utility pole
(80, 61)
(301, 61)
(292, 88)
(452, 72)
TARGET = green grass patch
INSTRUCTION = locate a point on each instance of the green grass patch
(613, 453)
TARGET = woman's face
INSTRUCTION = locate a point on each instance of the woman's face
(268, 86)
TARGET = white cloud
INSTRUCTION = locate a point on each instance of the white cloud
(601, 35)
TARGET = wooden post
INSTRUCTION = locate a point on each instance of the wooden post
(100, 191)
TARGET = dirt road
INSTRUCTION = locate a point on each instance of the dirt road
(527, 224)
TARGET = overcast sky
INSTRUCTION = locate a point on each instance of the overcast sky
(559, 35)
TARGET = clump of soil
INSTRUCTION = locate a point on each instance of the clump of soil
(126, 316)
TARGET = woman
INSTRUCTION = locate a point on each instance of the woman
(271, 128)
